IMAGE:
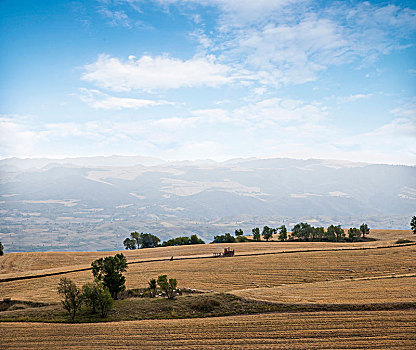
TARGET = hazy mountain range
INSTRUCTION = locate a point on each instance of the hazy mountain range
(91, 203)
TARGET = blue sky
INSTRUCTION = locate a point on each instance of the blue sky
(217, 79)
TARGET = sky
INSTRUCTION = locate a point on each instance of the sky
(209, 79)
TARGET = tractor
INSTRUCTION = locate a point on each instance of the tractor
(227, 252)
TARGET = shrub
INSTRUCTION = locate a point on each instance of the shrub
(72, 296)
(168, 287)
(205, 304)
(1, 249)
(402, 241)
(152, 287)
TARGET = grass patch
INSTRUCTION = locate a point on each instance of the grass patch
(185, 306)
(403, 241)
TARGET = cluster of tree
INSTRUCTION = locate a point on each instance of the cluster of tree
(99, 295)
(300, 232)
(167, 287)
(1, 249)
(307, 233)
(141, 240)
(183, 241)
(94, 295)
(147, 240)
(267, 233)
(413, 224)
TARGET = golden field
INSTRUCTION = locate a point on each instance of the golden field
(317, 330)
(240, 272)
(292, 273)
(33, 263)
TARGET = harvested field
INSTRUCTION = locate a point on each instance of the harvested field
(321, 330)
(226, 274)
(383, 290)
(32, 263)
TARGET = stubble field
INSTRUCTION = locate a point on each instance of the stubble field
(291, 273)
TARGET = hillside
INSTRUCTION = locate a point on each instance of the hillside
(92, 203)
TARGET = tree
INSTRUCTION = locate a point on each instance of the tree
(90, 294)
(105, 302)
(141, 240)
(256, 234)
(354, 234)
(109, 271)
(97, 297)
(130, 243)
(239, 232)
(147, 240)
(169, 287)
(1, 249)
(302, 231)
(335, 233)
(195, 240)
(152, 287)
(282, 233)
(318, 233)
(267, 233)
(72, 296)
(226, 238)
(413, 224)
(183, 241)
(364, 230)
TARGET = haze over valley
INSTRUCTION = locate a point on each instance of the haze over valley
(92, 203)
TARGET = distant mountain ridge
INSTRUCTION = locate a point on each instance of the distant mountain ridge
(81, 194)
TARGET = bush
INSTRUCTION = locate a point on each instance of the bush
(402, 241)
(205, 304)
(168, 287)
(152, 287)
(183, 241)
(1, 249)
(72, 296)
(97, 297)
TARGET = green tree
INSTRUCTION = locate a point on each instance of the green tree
(267, 233)
(238, 233)
(354, 234)
(141, 240)
(72, 296)
(169, 287)
(226, 238)
(1, 249)
(318, 234)
(302, 231)
(364, 230)
(282, 233)
(130, 243)
(109, 271)
(195, 240)
(90, 294)
(256, 234)
(105, 302)
(147, 240)
(152, 287)
(413, 224)
(335, 233)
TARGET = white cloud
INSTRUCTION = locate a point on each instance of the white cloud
(353, 98)
(150, 73)
(99, 100)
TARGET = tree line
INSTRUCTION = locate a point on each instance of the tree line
(302, 232)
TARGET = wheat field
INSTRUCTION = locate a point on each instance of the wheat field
(321, 330)
(311, 273)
